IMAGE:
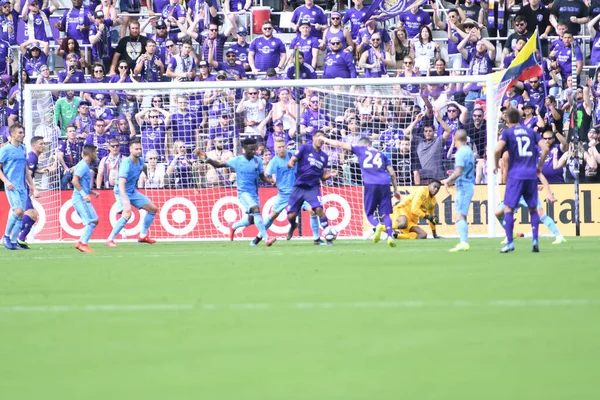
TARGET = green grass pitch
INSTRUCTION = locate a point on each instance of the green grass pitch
(222, 320)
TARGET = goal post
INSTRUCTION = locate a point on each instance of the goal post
(197, 202)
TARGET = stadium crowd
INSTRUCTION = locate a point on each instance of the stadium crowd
(202, 40)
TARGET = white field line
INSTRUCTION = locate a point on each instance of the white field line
(409, 304)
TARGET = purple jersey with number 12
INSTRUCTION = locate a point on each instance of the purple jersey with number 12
(522, 151)
(311, 165)
(373, 165)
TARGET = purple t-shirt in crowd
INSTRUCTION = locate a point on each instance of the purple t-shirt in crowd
(414, 22)
(314, 15)
(267, 52)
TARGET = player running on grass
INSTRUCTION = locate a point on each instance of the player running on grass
(284, 179)
(523, 169)
(82, 185)
(376, 171)
(312, 168)
(126, 195)
(13, 173)
(249, 169)
(419, 204)
(464, 176)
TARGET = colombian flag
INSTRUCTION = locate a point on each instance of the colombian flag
(526, 65)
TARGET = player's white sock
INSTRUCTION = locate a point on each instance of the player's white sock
(147, 222)
(87, 233)
(118, 226)
(258, 221)
(463, 230)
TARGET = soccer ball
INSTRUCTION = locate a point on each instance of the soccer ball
(330, 233)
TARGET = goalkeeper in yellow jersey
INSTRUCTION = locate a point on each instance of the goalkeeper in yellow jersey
(419, 204)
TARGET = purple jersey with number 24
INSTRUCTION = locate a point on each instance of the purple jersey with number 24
(376, 180)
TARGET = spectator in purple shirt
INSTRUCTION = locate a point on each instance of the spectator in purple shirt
(354, 15)
(312, 14)
(174, 15)
(562, 56)
(9, 20)
(181, 167)
(71, 74)
(266, 51)
(232, 67)
(6, 57)
(149, 66)
(100, 39)
(75, 23)
(338, 63)
(37, 24)
(241, 47)
(99, 138)
(414, 19)
(70, 46)
(225, 130)
(214, 42)
(306, 43)
(34, 56)
(314, 119)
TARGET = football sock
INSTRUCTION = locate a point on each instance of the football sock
(268, 223)
(314, 226)
(509, 226)
(323, 222)
(12, 219)
(550, 224)
(147, 222)
(260, 224)
(387, 221)
(242, 223)
(502, 220)
(463, 230)
(535, 224)
(87, 233)
(373, 220)
(16, 230)
(118, 226)
(26, 226)
(407, 236)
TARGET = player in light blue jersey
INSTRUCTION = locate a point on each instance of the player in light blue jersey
(249, 169)
(82, 185)
(13, 173)
(464, 178)
(284, 180)
(126, 195)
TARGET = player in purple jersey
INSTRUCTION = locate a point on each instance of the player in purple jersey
(377, 171)
(523, 169)
(31, 215)
(312, 168)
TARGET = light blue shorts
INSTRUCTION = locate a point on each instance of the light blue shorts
(464, 194)
(522, 204)
(17, 198)
(136, 199)
(86, 212)
(248, 201)
(281, 202)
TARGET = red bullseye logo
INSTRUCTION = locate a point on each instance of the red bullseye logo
(281, 224)
(226, 210)
(133, 226)
(179, 216)
(70, 220)
(337, 210)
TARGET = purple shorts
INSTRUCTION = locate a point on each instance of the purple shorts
(312, 195)
(378, 197)
(515, 188)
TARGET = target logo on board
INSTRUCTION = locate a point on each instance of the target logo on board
(281, 224)
(133, 226)
(226, 211)
(179, 216)
(69, 219)
(337, 210)
(41, 221)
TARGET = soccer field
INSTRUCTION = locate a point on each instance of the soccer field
(222, 320)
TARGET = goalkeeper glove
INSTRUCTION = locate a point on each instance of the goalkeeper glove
(432, 219)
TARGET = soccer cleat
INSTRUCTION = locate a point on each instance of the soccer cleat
(507, 248)
(378, 231)
(559, 240)
(23, 244)
(232, 232)
(319, 242)
(110, 243)
(146, 239)
(269, 242)
(290, 233)
(7, 243)
(329, 242)
(256, 240)
(535, 248)
(390, 242)
(460, 247)
(84, 248)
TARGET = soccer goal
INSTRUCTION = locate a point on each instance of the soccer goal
(197, 201)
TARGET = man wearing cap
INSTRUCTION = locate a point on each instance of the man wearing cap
(9, 19)
(226, 130)
(532, 118)
(149, 66)
(266, 51)
(182, 67)
(314, 119)
(338, 63)
(313, 14)
(254, 112)
(108, 169)
(161, 37)
(306, 43)
(37, 25)
(34, 56)
(336, 29)
(100, 40)
(231, 67)
(241, 47)
(277, 132)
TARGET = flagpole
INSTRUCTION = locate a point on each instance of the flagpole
(539, 44)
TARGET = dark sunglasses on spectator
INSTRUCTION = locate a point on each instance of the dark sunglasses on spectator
(408, 62)
(375, 40)
(169, 46)
(335, 18)
(335, 43)
(477, 115)
(161, 27)
(252, 93)
(151, 158)
(113, 145)
(452, 110)
(98, 71)
(213, 30)
(154, 116)
(520, 24)
(548, 138)
(157, 101)
(534, 81)
(314, 101)
(267, 28)
(123, 67)
(99, 97)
